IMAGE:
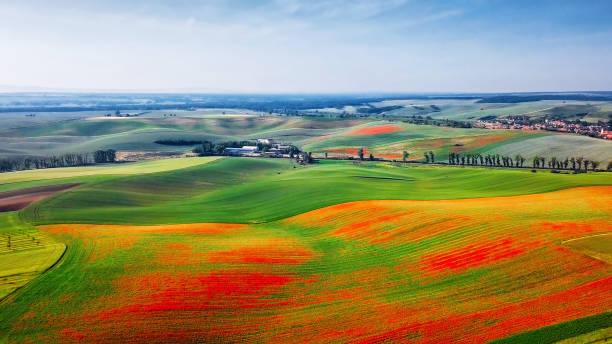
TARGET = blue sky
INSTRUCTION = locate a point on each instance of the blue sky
(307, 46)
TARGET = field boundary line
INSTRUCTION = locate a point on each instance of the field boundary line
(56, 263)
(586, 237)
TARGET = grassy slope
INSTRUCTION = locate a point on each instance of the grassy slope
(311, 134)
(419, 139)
(571, 329)
(560, 145)
(252, 190)
(29, 254)
(144, 167)
(410, 132)
(325, 276)
(249, 190)
(139, 133)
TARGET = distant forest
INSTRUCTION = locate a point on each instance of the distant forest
(287, 104)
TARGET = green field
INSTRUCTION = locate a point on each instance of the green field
(219, 249)
(240, 240)
(87, 132)
(247, 190)
(143, 167)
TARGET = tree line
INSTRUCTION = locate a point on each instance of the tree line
(53, 161)
(477, 159)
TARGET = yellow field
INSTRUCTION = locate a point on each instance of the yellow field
(151, 166)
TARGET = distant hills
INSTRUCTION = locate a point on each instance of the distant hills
(285, 103)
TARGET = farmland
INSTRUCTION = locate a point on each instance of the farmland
(284, 253)
(59, 133)
(168, 246)
(321, 171)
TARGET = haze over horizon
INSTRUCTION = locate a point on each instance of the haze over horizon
(332, 46)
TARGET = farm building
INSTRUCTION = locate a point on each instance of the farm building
(266, 141)
(244, 150)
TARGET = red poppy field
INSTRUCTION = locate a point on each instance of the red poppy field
(380, 129)
(471, 270)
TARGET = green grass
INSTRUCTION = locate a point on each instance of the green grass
(247, 190)
(96, 273)
(143, 167)
(244, 190)
(566, 330)
(25, 252)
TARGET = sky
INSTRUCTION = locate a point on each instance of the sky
(310, 46)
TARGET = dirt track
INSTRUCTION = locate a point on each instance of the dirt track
(19, 199)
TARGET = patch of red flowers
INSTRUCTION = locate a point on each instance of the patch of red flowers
(380, 129)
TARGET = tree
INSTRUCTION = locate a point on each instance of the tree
(405, 156)
(594, 164)
(111, 154)
(579, 162)
(553, 162)
(360, 153)
(573, 161)
(307, 157)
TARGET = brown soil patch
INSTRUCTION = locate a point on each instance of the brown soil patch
(19, 199)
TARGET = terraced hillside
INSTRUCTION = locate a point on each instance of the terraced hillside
(261, 251)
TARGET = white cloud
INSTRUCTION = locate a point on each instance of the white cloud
(295, 45)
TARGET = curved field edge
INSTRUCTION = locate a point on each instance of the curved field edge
(379, 257)
(25, 253)
(246, 190)
(566, 330)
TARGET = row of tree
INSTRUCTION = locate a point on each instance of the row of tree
(497, 160)
(573, 163)
(486, 160)
(63, 160)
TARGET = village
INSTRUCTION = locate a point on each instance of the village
(521, 122)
